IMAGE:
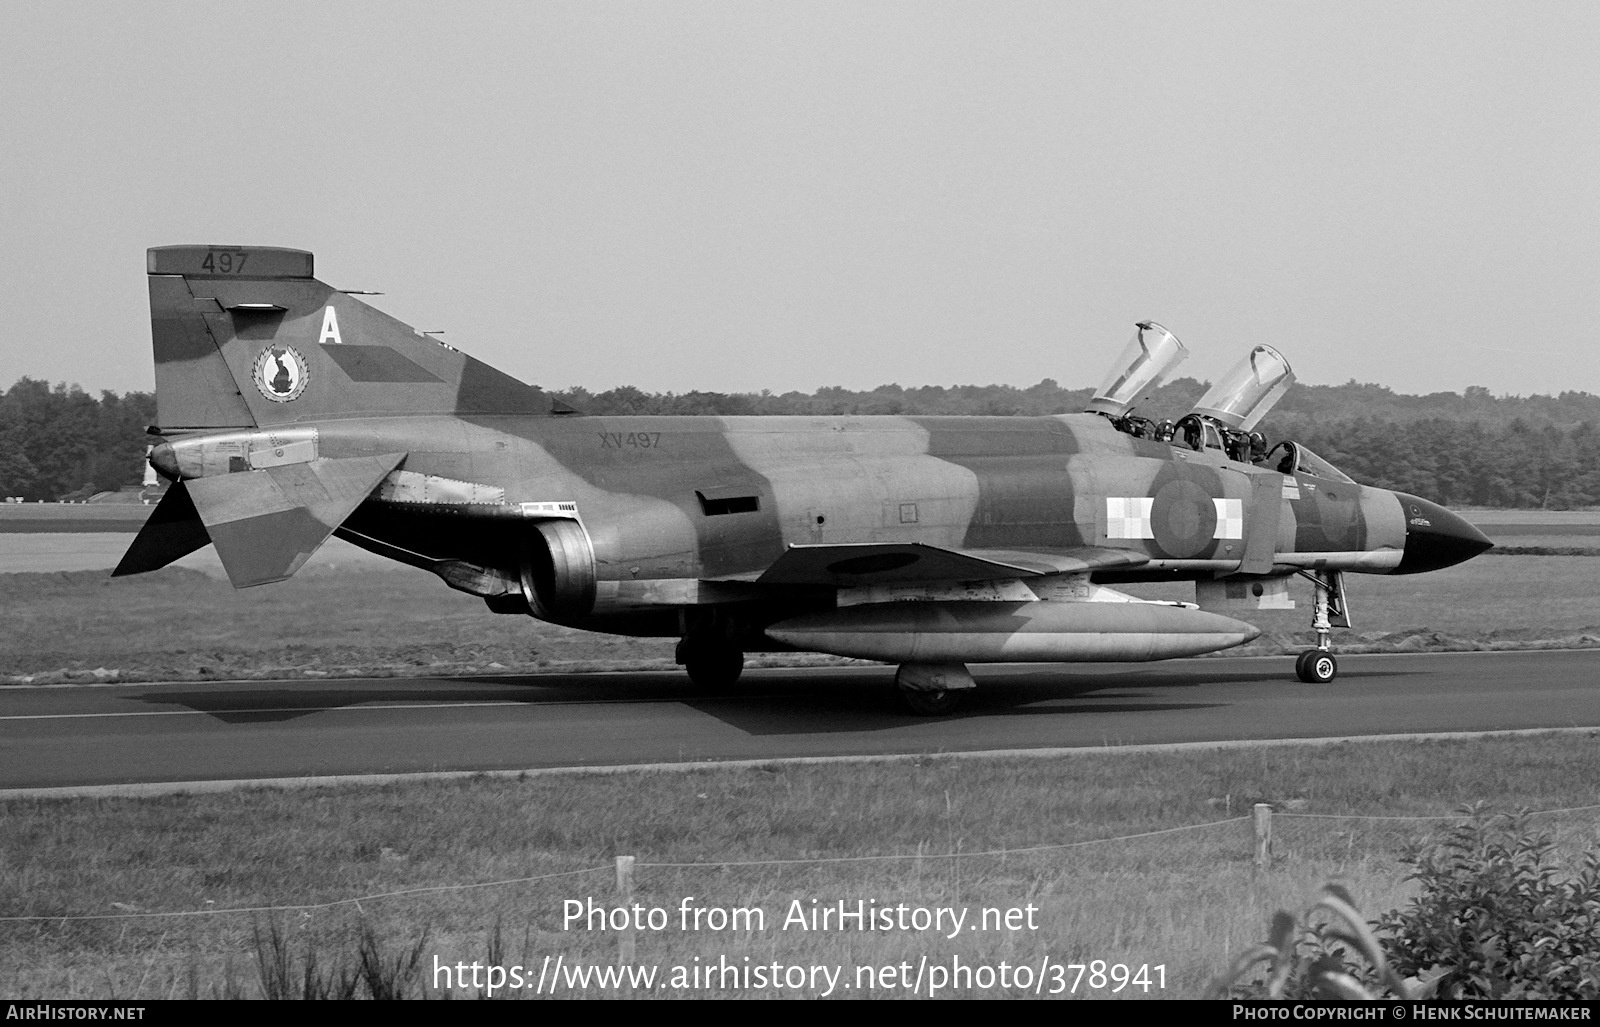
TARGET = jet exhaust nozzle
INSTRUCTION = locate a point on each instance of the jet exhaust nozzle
(164, 460)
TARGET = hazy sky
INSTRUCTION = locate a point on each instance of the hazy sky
(785, 195)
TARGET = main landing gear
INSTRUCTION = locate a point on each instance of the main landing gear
(714, 666)
(1328, 611)
(933, 689)
(710, 648)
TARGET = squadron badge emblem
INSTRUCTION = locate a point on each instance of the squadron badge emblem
(281, 373)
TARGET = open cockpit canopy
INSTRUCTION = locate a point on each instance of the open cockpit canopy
(1240, 398)
(1143, 364)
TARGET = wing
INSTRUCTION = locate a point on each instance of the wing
(870, 563)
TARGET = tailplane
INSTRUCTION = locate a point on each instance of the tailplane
(247, 336)
(265, 523)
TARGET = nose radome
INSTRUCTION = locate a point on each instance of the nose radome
(1435, 537)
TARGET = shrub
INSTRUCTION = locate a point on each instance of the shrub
(1498, 914)
(1497, 917)
(1329, 952)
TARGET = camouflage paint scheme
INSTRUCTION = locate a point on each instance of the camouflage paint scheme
(290, 410)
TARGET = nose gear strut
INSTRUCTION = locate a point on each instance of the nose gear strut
(1329, 610)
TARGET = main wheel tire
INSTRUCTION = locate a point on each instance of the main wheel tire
(1316, 667)
(714, 669)
(931, 704)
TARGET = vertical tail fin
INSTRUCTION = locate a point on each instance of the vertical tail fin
(246, 336)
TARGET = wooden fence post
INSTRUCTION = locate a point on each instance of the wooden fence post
(1263, 822)
(625, 893)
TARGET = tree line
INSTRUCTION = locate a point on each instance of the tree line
(1467, 449)
(62, 442)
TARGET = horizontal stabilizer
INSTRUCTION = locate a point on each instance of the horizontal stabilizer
(173, 531)
(267, 523)
(868, 563)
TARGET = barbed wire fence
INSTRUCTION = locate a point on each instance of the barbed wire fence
(1262, 819)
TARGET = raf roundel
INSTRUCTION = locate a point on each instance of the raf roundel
(281, 373)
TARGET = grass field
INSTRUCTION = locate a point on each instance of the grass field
(1490, 518)
(751, 838)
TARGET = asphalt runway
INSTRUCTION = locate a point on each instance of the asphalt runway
(122, 734)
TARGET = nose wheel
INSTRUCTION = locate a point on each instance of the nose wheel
(1316, 667)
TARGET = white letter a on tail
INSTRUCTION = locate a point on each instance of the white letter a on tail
(330, 328)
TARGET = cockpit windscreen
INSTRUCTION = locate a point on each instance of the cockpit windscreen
(1290, 458)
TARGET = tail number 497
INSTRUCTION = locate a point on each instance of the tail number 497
(224, 262)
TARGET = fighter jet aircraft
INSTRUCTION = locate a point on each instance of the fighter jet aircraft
(290, 410)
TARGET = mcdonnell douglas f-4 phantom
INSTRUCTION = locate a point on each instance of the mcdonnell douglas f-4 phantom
(290, 411)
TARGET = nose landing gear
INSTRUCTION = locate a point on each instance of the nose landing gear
(1328, 611)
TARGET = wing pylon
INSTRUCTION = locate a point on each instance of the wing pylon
(871, 563)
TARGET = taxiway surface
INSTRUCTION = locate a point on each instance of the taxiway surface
(100, 735)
